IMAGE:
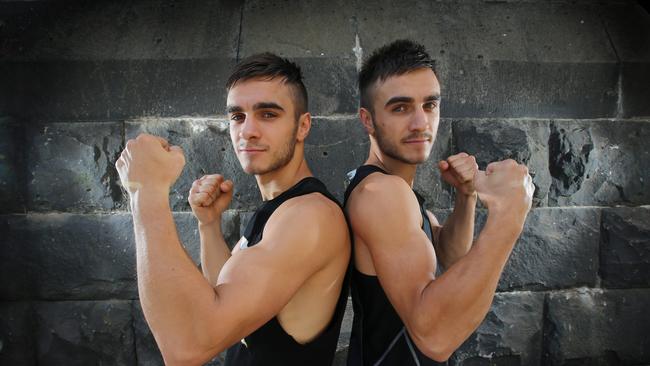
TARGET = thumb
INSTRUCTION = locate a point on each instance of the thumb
(443, 165)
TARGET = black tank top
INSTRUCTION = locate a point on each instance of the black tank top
(270, 344)
(379, 336)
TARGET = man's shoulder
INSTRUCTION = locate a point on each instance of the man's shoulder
(380, 189)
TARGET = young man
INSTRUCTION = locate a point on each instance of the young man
(405, 314)
(278, 298)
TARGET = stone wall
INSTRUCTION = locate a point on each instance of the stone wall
(563, 86)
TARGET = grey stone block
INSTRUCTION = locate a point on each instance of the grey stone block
(524, 141)
(497, 88)
(65, 256)
(635, 81)
(147, 351)
(557, 249)
(140, 30)
(595, 327)
(85, 333)
(17, 341)
(208, 150)
(497, 31)
(511, 333)
(331, 85)
(305, 29)
(12, 187)
(625, 247)
(334, 147)
(109, 90)
(599, 163)
(71, 167)
(628, 28)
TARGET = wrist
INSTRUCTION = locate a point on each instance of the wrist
(463, 196)
(149, 195)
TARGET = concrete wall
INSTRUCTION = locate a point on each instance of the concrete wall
(563, 86)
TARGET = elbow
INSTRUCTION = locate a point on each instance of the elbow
(175, 355)
(436, 348)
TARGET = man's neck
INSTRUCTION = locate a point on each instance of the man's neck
(392, 166)
(272, 184)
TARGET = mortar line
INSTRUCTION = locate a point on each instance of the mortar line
(241, 20)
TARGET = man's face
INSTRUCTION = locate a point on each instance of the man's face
(263, 125)
(406, 115)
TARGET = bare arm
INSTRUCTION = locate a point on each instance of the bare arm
(209, 197)
(190, 319)
(439, 313)
(454, 239)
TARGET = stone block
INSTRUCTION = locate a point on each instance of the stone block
(557, 249)
(17, 341)
(85, 333)
(309, 28)
(147, 351)
(334, 147)
(208, 150)
(331, 85)
(511, 333)
(628, 28)
(625, 247)
(140, 30)
(635, 81)
(109, 90)
(67, 256)
(498, 88)
(524, 141)
(599, 163)
(71, 166)
(596, 327)
(12, 191)
(504, 30)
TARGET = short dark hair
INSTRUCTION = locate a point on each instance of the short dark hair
(269, 66)
(396, 58)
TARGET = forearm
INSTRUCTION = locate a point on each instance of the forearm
(214, 251)
(173, 294)
(452, 306)
(457, 233)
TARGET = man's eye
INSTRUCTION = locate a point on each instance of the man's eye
(430, 105)
(399, 108)
(237, 118)
(268, 115)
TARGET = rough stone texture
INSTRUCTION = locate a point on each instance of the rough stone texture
(521, 140)
(139, 30)
(334, 147)
(147, 351)
(11, 162)
(595, 327)
(70, 167)
(599, 163)
(85, 333)
(108, 90)
(208, 150)
(511, 333)
(66, 256)
(331, 85)
(625, 247)
(557, 249)
(635, 85)
(309, 28)
(17, 343)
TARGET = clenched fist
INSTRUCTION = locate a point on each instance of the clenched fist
(459, 171)
(149, 162)
(209, 197)
(506, 186)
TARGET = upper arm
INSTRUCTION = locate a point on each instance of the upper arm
(256, 283)
(385, 214)
(435, 234)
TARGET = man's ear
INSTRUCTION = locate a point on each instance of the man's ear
(366, 120)
(304, 125)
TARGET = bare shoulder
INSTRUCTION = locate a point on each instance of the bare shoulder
(381, 195)
(313, 218)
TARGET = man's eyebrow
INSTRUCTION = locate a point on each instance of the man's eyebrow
(432, 97)
(398, 99)
(267, 105)
(233, 109)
